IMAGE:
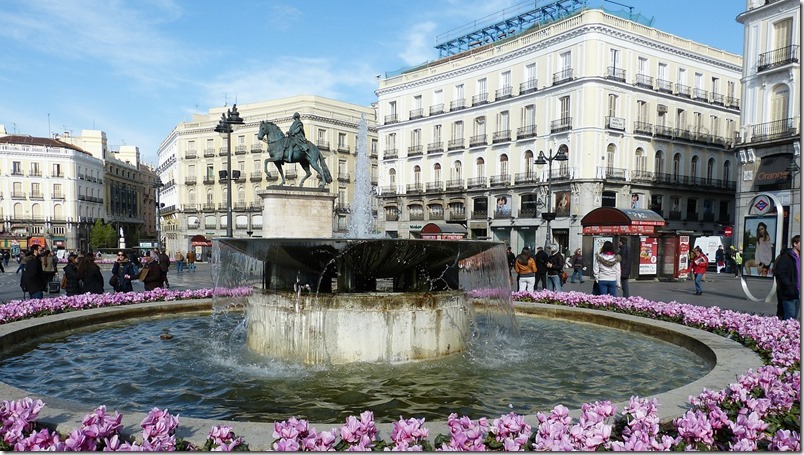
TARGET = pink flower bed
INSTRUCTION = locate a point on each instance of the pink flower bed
(760, 411)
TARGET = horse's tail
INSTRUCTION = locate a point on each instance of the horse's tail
(323, 163)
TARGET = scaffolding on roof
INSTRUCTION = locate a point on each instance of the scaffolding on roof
(516, 20)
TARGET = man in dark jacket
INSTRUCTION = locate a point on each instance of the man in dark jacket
(555, 266)
(164, 265)
(33, 278)
(787, 272)
(541, 266)
(625, 265)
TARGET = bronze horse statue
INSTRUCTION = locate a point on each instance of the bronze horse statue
(278, 143)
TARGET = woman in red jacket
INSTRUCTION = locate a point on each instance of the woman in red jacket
(699, 264)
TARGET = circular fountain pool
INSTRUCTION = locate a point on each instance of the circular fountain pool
(206, 371)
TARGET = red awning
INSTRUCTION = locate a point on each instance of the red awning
(611, 220)
(200, 240)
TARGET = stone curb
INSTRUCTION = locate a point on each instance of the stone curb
(728, 358)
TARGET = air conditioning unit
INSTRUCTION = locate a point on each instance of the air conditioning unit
(661, 108)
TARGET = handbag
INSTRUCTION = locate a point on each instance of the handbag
(114, 281)
(143, 273)
(63, 284)
(595, 288)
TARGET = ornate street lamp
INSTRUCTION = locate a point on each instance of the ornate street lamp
(158, 186)
(550, 215)
(225, 129)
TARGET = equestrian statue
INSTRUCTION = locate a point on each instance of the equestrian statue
(293, 148)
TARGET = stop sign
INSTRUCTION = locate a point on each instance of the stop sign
(727, 232)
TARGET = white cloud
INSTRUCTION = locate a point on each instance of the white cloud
(418, 43)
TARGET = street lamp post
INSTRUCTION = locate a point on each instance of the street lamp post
(224, 127)
(541, 161)
(158, 186)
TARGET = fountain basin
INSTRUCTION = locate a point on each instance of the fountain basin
(365, 327)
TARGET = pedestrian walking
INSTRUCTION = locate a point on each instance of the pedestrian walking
(731, 264)
(787, 272)
(191, 261)
(699, 264)
(625, 266)
(555, 267)
(738, 260)
(607, 271)
(541, 258)
(577, 266)
(511, 257)
(164, 265)
(48, 265)
(21, 260)
(90, 275)
(526, 271)
(153, 272)
(720, 259)
(179, 262)
(33, 278)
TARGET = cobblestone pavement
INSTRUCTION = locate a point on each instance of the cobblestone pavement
(721, 290)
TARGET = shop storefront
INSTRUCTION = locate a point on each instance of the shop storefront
(639, 227)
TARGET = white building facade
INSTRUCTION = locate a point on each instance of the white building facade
(644, 117)
(768, 147)
(191, 158)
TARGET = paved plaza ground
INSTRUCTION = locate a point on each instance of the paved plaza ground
(721, 290)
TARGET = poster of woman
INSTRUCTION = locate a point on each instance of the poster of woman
(563, 204)
(759, 248)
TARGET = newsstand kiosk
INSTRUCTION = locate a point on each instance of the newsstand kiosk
(638, 226)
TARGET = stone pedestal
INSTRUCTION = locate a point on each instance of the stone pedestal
(293, 212)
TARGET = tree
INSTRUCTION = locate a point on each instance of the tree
(102, 235)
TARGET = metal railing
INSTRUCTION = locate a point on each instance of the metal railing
(390, 153)
(643, 128)
(777, 57)
(455, 144)
(435, 147)
(503, 93)
(562, 124)
(644, 81)
(664, 86)
(477, 140)
(501, 136)
(457, 104)
(437, 109)
(454, 184)
(563, 76)
(416, 113)
(391, 118)
(482, 98)
(415, 150)
(615, 74)
(527, 131)
(776, 129)
(528, 86)
(477, 182)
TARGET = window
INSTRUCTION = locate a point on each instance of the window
(35, 169)
(642, 66)
(241, 195)
(783, 33)
(390, 141)
(36, 190)
(437, 172)
(505, 79)
(692, 209)
(210, 144)
(529, 162)
(676, 165)
(480, 167)
(615, 58)
(714, 128)
(392, 177)
(730, 89)
(642, 111)
(416, 137)
(663, 75)
(437, 133)
(16, 168)
(417, 102)
(610, 153)
(503, 123)
(503, 164)
(727, 171)
(697, 120)
(438, 97)
(565, 60)
(341, 140)
(417, 175)
(457, 130)
(482, 89)
(612, 105)
(457, 171)
(392, 108)
(780, 103)
(480, 126)
(210, 172)
(564, 102)
(529, 115)
(710, 170)
(57, 190)
(698, 80)
(682, 76)
(210, 197)
(530, 72)
(694, 166)
(715, 85)
(459, 95)
(322, 135)
(681, 118)
(191, 197)
(241, 140)
(57, 170)
(640, 161)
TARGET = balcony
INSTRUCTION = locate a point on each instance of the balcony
(525, 132)
(437, 109)
(290, 173)
(416, 113)
(777, 57)
(503, 93)
(241, 150)
(611, 174)
(344, 177)
(415, 150)
(193, 225)
(480, 214)
(414, 188)
(478, 182)
(700, 94)
(209, 153)
(256, 176)
(211, 226)
(644, 81)
(416, 216)
(223, 207)
(455, 185)
(387, 190)
(456, 215)
(343, 148)
(17, 194)
(562, 77)
(664, 86)
(457, 105)
(683, 90)
(435, 187)
(190, 154)
(272, 175)
(255, 206)
(190, 180)
(732, 102)
(391, 216)
(615, 123)
(478, 140)
(524, 178)
(208, 207)
(778, 129)
(642, 176)
(342, 207)
(391, 118)
(455, 144)
(223, 151)
(682, 133)
(58, 196)
(256, 148)
(527, 213)
(643, 128)
(717, 99)
(240, 206)
(500, 180)
(501, 136)
(663, 131)
(615, 74)
(35, 173)
(528, 86)
(390, 153)
(561, 125)
(209, 180)
(435, 147)
(482, 98)
(190, 208)
(37, 196)
(19, 173)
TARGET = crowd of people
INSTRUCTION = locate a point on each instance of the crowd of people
(81, 274)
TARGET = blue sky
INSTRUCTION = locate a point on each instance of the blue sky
(134, 69)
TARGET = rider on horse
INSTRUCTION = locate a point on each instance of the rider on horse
(297, 136)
